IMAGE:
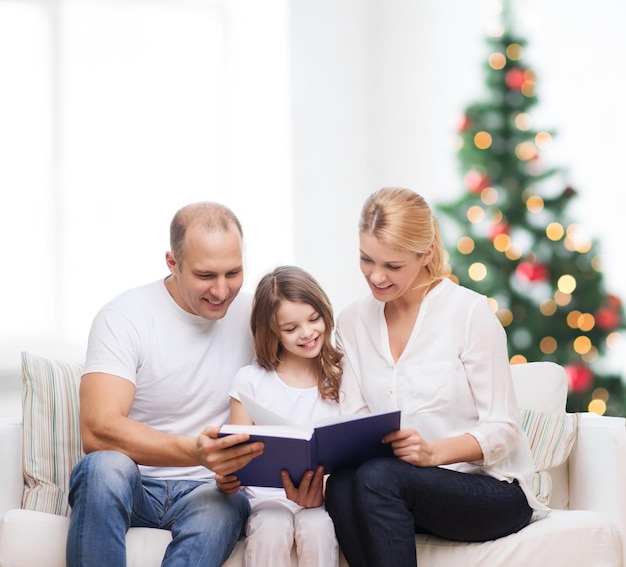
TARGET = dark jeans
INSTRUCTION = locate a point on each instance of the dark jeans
(378, 508)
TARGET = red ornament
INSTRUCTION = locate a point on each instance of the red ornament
(497, 229)
(515, 78)
(607, 318)
(579, 378)
(532, 272)
(613, 301)
(476, 181)
(464, 123)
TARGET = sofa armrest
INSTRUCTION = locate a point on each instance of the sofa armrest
(596, 467)
(11, 477)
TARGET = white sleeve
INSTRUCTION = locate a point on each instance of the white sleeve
(486, 364)
(351, 399)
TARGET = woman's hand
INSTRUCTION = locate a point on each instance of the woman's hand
(310, 492)
(408, 445)
(228, 484)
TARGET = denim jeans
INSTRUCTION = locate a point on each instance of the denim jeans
(108, 496)
(378, 508)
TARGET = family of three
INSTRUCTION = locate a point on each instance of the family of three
(169, 362)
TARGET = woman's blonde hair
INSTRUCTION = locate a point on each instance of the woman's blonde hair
(290, 283)
(402, 219)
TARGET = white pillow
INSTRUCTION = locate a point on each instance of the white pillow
(551, 437)
(51, 433)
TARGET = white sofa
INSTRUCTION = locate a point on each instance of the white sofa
(588, 495)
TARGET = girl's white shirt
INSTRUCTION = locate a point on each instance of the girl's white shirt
(453, 377)
(300, 406)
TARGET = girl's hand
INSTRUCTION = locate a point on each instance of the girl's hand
(228, 484)
(310, 492)
(408, 445)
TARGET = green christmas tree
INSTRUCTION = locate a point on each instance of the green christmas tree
(511, 240)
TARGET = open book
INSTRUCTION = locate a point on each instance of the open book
(333, 443)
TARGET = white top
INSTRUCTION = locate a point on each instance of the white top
(301, 406)
(182, 365)
(452, 378)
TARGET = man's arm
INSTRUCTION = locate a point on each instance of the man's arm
(105, 403)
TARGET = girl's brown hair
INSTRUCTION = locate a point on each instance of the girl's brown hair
(291, 283)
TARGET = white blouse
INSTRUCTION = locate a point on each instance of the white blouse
(453, 377)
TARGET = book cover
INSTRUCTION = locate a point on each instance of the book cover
(333, 443)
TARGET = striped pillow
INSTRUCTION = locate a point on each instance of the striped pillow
(551, 437)
(51, 434)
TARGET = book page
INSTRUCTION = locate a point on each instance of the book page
(344, 418)
(284, 431)
(261, 415)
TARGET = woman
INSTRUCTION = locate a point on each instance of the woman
(436, 351)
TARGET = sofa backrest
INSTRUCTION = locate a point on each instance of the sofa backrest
(540, 386)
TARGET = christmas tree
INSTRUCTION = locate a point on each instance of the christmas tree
(512, 241)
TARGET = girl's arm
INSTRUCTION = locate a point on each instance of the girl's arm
(238, 414)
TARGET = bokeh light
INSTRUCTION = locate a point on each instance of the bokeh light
(477, 271)
(534, 203)
(482, 140)
(475, 214)
(555, 231)
(497, 61)
(514, 51)
(465, 245)
(566, 284)
(548, 345)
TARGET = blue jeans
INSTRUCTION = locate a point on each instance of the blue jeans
(108, 496)
(378, 508)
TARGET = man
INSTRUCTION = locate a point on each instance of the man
(159, 366)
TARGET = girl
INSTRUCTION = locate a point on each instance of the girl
(436, 351)
(296, 375)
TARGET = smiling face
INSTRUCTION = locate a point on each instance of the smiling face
(302, 329)
(392, 273)
(210, 275)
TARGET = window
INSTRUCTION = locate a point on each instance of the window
(116, 114)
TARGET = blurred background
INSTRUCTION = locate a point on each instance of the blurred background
(115, 113)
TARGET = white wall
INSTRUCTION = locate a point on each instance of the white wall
(328, 101)
(379, 88)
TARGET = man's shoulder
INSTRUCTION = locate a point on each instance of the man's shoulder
(137, 295)
(240, 308)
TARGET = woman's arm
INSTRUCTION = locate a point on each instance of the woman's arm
(410, 447)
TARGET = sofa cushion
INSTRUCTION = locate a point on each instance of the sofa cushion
(144, 546)
(51, 433)
(575, 538)
(551, 438)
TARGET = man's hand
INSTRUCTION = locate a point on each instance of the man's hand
(225, 455)
(310, 492)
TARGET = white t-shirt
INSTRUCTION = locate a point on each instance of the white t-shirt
(453, 377)
(182, 365)
(301, 406)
